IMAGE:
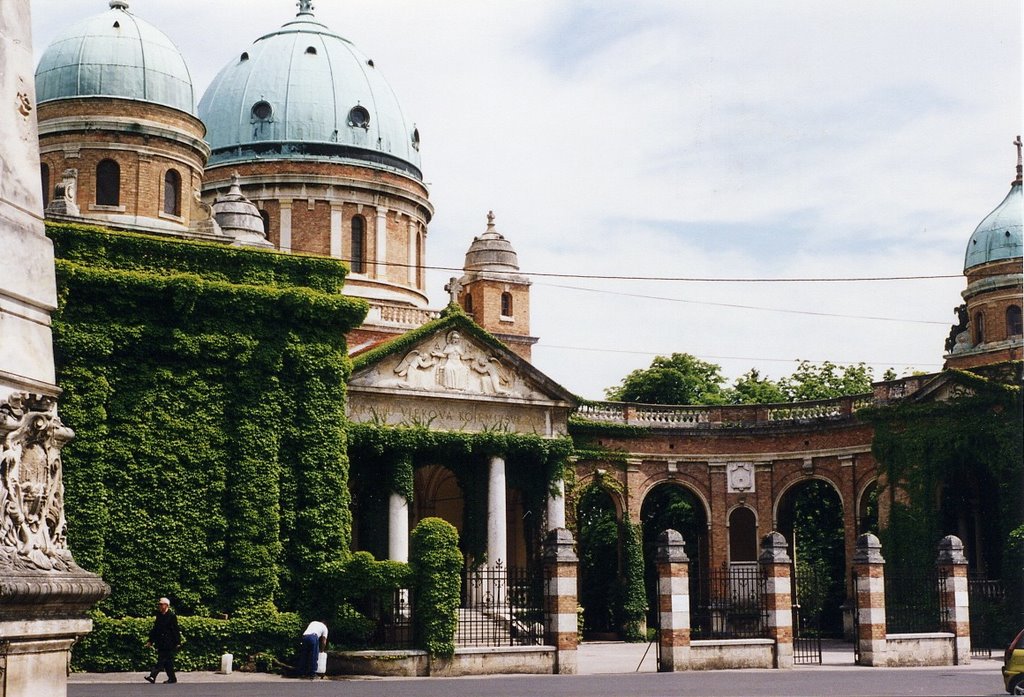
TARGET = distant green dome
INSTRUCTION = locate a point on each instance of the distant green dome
(305, 92)
(115, 54)
(999, 235)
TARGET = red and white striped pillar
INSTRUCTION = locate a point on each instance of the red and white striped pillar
(560, 626)
(673, 603)
(869, 571)
(777, 568)
(951, 564)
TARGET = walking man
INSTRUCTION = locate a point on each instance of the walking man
(166, 637)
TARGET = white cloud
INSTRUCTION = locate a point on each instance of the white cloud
(713, 139)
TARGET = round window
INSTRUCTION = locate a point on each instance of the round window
(359, 117)
(262, 110)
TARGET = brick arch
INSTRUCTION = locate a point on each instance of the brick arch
(618, 497)
(800, 478)
(696, 487)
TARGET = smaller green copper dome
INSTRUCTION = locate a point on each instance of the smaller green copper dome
(115, 54)
(998, 237)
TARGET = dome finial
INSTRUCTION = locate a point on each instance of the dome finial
(305, 7)
(119, 5)
(490, 221)
(1020, 165)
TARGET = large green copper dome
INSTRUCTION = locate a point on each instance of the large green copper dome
(998, 236)
(305, 92)
(115, 54)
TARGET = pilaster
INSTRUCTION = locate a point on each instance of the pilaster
(560, 591)
(673, 603)
(777, 569)
(869, 621)
(951, 565)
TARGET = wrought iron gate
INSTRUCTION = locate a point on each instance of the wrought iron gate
(809, 590)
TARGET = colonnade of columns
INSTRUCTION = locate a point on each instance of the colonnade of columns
(497, 525)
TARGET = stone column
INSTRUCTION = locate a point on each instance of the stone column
(777, 569)
(556, 507)
(382, 242)
(398, 528)
(285, 240)
(951, 565)
(869, 621)
(413, 252)
(43, 594)
(497, 528)
(673, 603)
(560, 626)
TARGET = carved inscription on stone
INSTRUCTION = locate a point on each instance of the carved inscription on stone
(32, 525)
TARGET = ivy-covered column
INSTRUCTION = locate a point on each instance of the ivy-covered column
(673, 603)
(777, 568)
(869, 621)
(952, 566)
(556, 506)
(560, 591)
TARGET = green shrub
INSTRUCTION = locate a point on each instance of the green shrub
(437, 579)
(259, 638)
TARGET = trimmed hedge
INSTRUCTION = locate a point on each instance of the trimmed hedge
(260, 638)
(437, 575)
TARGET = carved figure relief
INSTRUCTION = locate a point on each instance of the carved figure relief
(64, 201)
(741, 477)
(33, 530)
(450, 364)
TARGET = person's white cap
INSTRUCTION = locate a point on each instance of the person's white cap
(165, 601)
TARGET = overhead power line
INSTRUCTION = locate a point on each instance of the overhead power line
(681, 279)
(744, 307)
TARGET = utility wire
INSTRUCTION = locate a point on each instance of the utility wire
(743, 307)
(542, 344)
(680, 279)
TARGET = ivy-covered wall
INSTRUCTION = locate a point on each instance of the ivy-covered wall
(206, 385)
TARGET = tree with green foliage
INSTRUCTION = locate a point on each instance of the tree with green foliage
(828, 380)
(751, 388)
(599, 558)
(677, 379)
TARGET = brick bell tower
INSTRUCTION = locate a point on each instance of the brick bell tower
(494, 293)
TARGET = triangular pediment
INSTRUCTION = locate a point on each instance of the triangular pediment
(454, 357)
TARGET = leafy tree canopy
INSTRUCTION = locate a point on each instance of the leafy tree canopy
(685, 379)
(678, 379)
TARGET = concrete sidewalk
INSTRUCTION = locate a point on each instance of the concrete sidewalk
(594, 658)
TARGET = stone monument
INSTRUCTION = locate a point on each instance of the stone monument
(43, 594)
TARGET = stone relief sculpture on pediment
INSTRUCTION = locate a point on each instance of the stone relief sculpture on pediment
(450, 363)
(33, 530)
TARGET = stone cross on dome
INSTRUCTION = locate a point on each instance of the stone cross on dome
(305, 7)
(1020, 165)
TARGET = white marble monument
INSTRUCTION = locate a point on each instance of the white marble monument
(43, 593)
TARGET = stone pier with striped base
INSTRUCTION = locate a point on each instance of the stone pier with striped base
(951, 564)
(560, 625)
(869, 572)
(777, 568)
(673, 603)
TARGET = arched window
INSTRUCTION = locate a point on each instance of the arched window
(44, 177)
(358, 255)
(469, 303)
(506, 304)
(108, 183)
(266, 223)
(172, 192)
(742, 535)
(979, 328)
(1014, 324)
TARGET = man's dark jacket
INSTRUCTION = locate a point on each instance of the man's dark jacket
(165, 635)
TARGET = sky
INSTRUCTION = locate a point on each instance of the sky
(718, 139)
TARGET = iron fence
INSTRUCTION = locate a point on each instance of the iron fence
(387, 617)
(728, 603)
(987, 598)
(915, 602)
(501, 607)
